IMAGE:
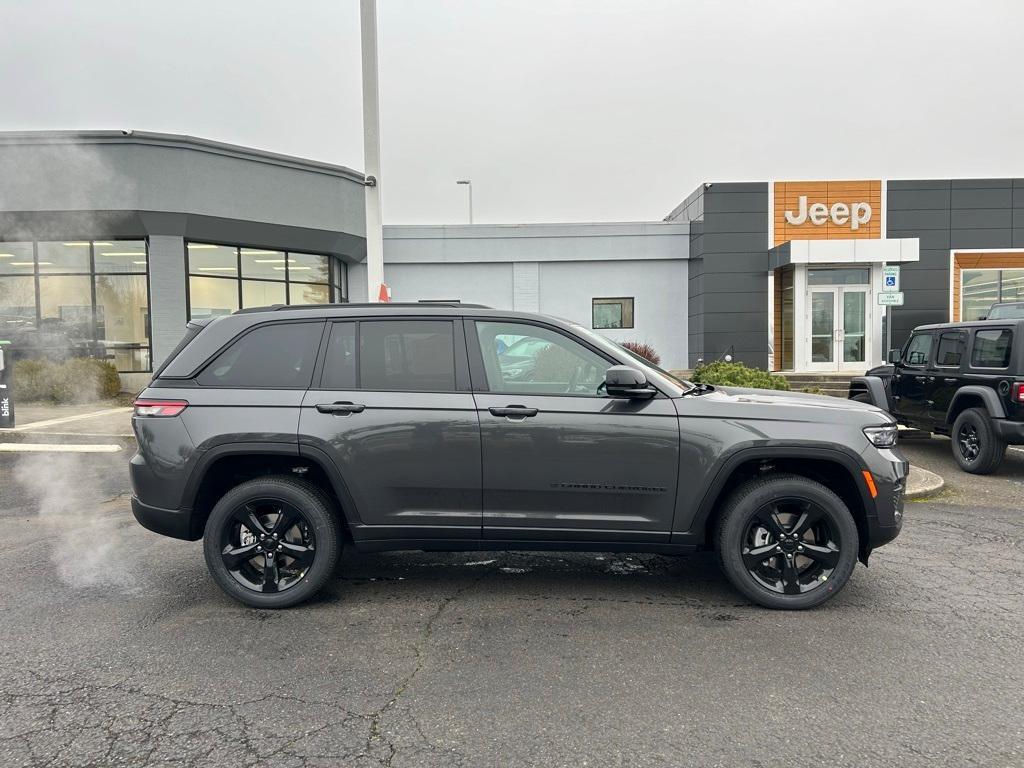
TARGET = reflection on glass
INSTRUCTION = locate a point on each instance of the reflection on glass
(853, 326)
(822, 325)
(209, 296)
(980, 290)
(259, 293)
(309, 294)
(258, 262)
(120, 255)
(839, 276)
(62, 257)
(207, 259)
(122, 320)
(1011, 285)
(65, 306)
(16, 259)
(308, 268)
(17, 306)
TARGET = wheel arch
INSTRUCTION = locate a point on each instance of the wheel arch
(224, 467)
(834, 468)
(974, 396)
(873, 387)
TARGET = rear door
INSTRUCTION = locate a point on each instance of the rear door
(562, 461)
(944, 375)
(391, 405)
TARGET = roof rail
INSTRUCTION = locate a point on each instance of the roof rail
(365, 305)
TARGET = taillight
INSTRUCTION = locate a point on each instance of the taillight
(145, 407)
(1018, 392)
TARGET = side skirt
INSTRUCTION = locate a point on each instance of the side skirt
(506, 545)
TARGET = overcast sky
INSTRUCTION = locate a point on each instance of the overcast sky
(559, 110)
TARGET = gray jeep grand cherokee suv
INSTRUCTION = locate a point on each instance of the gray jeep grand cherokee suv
(278, 434)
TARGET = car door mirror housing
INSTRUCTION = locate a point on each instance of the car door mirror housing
(893, 356)
(627, 382)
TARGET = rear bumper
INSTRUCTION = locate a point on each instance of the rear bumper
(176, 523)
(1010, 431)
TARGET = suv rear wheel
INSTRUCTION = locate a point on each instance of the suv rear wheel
(272, 542)
(976, 446)
(785, 541)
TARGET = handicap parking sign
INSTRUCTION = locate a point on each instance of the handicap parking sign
(891, 279)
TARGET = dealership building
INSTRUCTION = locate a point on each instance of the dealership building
(110, 241)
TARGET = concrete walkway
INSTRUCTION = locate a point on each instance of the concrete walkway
(921, 483)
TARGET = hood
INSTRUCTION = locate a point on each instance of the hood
(802, 406)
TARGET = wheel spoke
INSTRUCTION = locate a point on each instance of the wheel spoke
(302, 554)
(808, 517)
(247, 516)
(286, 518)
(234, 556)
(790, 576)
(826, 555)
(270, 575)
(753, 558)
(767, 516)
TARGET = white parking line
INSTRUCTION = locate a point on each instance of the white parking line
(57, 448)
(66, 419)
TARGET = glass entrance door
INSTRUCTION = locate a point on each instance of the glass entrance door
(838, 321)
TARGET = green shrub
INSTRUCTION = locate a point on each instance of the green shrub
(78, 380)
(737, 375)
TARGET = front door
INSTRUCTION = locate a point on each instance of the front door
(561, 460)
(838, 320)
(392, 409)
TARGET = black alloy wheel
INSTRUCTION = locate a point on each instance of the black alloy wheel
(273, 542)
(786, 541)
(968, 442)
(977, 447)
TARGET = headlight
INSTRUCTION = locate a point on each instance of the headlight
(882, 437)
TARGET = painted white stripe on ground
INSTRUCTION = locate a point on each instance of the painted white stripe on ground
(66, 419)
(57, 448)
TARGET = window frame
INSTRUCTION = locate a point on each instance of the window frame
(478, 371)
(606, 300)
(974, 338)
(463, 382)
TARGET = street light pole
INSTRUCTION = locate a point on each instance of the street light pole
(469, 186)
(371, 152)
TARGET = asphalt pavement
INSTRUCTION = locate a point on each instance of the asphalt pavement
(117, 649)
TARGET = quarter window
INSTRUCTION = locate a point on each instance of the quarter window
(407, 355)
(950, 351)
(340, 363)
(992, 348)
(918, 350)
(530, 359)
(612, 313)
(270, 356)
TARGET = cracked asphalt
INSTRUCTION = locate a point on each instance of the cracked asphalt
(117, 649)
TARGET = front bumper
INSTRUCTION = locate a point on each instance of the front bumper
(889, 469)
(176, 523)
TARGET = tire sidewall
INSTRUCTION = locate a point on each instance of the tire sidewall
(318, 516)
(986, 459)
(741, 509)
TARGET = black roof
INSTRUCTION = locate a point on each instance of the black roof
(971, 324)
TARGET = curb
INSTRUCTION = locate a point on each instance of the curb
(921, 483)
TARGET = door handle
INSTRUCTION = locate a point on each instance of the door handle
(514, 411)
(919, 378)
(931, 378)
(950, 380)
(341, 409)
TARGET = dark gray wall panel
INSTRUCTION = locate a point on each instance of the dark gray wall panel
(916, 184)
(745, 202)
(981, 198)
(981, 183)
(979, 238)
(916, 220)
(732, 321)
(735, 283)
(981, 218)
(929, 238)
(735, 223)
(917, 199)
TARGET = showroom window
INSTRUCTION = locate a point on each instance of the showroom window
(981, 288)
(77, 298)
(612, 313)
(225, 278)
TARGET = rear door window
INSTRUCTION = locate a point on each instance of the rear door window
(407, 355)
(992, 348)
(950, 350)
(275, 356)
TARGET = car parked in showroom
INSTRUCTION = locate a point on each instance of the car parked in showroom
(280, 434)
(964, 380)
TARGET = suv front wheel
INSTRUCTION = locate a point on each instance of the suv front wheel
(976, 446)
(272, 542)
(786, 541)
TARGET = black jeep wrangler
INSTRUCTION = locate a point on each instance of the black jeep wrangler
(965, 380)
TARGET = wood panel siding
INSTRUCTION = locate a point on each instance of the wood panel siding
(788, 193)
(990, 260)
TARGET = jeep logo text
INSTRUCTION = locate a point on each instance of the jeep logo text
(840, 213)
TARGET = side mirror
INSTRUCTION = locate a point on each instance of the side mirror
(893, 356)
(626, 382)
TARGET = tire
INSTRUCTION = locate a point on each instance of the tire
(306, 524)
(744, 531)
(976, 446)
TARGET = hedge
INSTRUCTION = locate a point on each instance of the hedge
(737, 375)
(79, 380)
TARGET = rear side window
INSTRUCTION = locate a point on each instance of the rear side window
(340, 363)
(951, 350)
(271, 356)
(992, 348)
(407, 355)
(918, 349)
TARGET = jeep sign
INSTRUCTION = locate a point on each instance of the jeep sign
(841, 214)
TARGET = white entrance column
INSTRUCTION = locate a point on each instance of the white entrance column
(371, 150)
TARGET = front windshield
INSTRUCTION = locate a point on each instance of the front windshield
(1007, 312)
(610, 346)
